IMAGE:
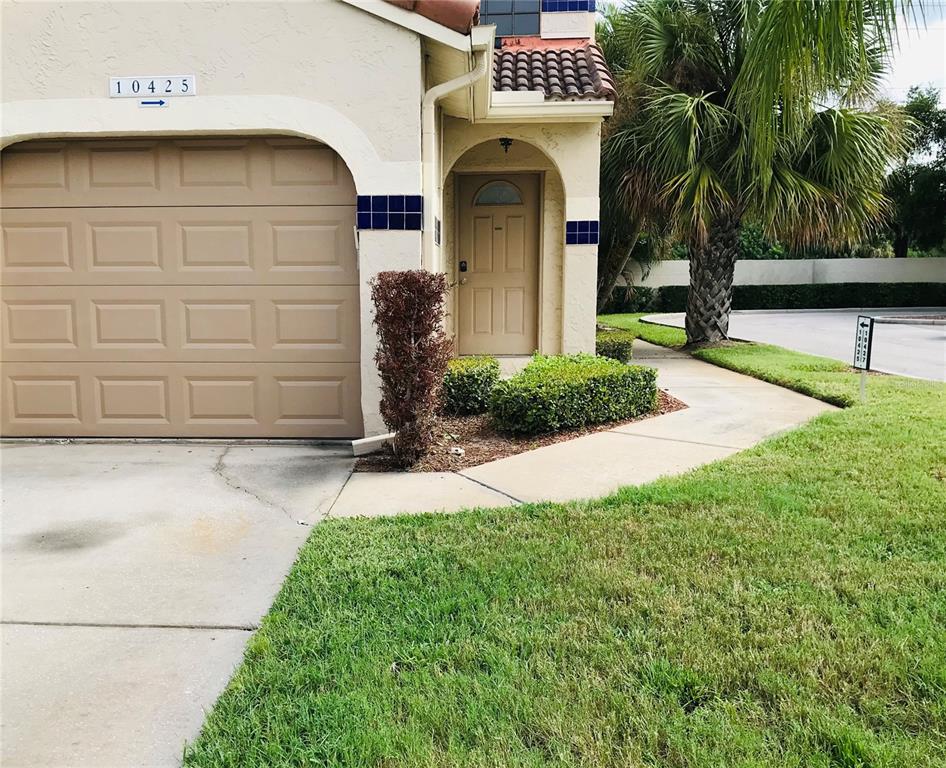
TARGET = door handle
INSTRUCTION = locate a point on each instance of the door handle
(462, 281)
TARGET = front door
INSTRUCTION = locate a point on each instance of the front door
(498, 268)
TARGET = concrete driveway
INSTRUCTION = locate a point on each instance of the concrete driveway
(908, 350)
(132, 576)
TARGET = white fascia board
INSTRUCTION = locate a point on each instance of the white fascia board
(483, 39)
(509, 98)
(548, 111)
(414, 22)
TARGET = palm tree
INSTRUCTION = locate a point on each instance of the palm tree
(747, 110)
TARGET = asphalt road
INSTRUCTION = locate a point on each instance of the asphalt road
(908, 350)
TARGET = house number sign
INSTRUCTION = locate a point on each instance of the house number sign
(152, 88)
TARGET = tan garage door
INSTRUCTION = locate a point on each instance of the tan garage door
(179, 288)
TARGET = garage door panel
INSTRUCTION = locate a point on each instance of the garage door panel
(279, 323)
(182, 400)
(36, 168)
(45, 323)
(149, 172)
(43, 247)
(189, 287)
(209, 245)
(192, 287)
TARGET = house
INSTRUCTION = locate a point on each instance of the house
(195, 197)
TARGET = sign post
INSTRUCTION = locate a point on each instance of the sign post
(863, 341)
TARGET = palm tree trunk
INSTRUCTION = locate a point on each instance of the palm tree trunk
(612, 269)
(901, 244)
(709, 299)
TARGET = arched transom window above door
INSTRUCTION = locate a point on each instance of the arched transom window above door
(498, 193)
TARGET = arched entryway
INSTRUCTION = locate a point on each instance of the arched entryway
(503, 249)
(179, 287)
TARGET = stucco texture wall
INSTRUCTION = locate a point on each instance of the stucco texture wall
(573, 148)
(322, 69)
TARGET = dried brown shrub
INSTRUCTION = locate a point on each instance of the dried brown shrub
(412, 356)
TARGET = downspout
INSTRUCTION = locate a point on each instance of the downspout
(429, 157)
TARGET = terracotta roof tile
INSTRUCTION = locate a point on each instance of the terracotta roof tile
(458, 15)
(565, 70)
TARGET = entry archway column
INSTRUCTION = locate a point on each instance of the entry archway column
(579, 275)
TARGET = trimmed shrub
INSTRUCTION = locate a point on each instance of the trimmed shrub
(572, 391)
(618, 345)
(468, 383)
(672, 298)
(839, 295)
(412, 356)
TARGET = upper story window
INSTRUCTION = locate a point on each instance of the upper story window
(511, 17)
(498, 193)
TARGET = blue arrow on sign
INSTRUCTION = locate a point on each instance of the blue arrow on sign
(155, 103)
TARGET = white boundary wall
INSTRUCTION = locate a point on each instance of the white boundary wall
(806, 271)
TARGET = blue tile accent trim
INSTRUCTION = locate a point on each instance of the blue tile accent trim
(581, 232)
(390, 212)
(557, 6)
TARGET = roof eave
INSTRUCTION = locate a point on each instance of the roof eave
(414, 22)
(589, 110)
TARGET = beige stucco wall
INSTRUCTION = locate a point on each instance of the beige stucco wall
(256, 64)
(568, 155)
(572, 147)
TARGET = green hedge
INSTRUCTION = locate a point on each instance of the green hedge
(468, 383)
(672, 298)
(618, 345)
(571, 391)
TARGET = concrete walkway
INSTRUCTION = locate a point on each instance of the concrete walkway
(727, 412)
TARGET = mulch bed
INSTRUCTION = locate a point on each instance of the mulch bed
(481, 442)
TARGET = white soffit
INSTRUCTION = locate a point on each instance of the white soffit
(445, 64)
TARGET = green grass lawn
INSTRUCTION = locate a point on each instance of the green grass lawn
(820, 377)
(783, 607)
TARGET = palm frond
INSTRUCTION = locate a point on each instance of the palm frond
(697, 198)
(826, 187)
(721, 117)
(800, 52)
